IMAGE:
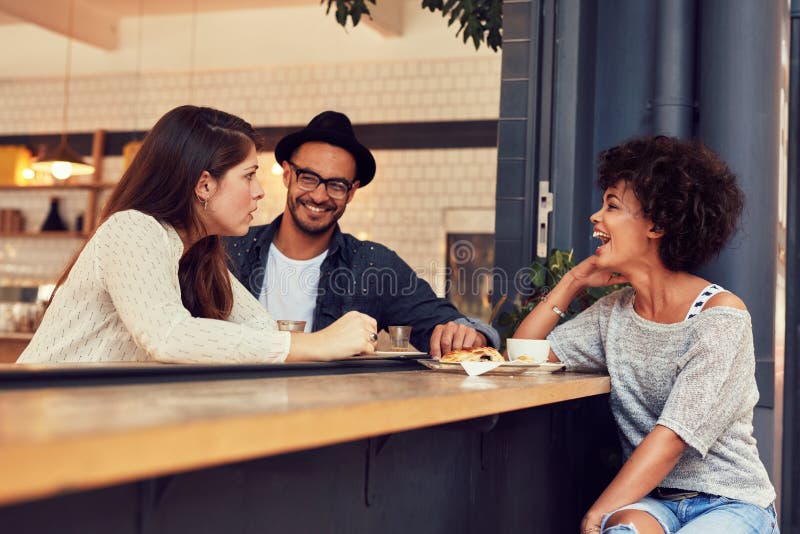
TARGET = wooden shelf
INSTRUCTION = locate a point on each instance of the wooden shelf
(16, 336)
(93, 185)
(42, 235)
(39, 187)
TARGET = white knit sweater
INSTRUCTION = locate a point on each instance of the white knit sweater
(122, 302)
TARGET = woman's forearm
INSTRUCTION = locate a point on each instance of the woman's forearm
(352, 333)
(651, 461)
(542, 319)
(304, 347)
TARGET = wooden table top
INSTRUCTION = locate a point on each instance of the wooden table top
(77, 438)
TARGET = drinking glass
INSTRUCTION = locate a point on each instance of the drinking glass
(291, 326)
(399, 337)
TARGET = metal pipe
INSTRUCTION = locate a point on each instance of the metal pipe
(739, 88)
(673, 102)
(790, 477)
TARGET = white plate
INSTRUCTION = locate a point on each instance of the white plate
(505, 368)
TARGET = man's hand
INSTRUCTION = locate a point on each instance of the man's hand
(454, 336)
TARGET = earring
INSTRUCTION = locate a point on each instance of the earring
(202, 201)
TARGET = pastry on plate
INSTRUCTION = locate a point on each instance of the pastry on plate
(480, 354)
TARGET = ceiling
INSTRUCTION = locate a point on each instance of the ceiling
(127, 8)
(100, 18)
(166, 7)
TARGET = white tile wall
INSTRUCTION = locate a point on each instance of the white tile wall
(368, 92)
(404, 207)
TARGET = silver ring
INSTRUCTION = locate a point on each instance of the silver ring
(373, 336)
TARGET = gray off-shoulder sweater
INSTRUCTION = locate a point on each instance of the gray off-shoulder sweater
(696, 377)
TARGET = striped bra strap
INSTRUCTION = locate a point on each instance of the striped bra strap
(708, 292)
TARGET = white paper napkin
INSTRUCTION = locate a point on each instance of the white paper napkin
(478, 368)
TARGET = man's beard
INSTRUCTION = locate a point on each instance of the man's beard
(312, 230)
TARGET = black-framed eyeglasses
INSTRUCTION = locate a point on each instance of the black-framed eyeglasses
(308, 180)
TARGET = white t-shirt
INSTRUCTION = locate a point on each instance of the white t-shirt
(291, 286)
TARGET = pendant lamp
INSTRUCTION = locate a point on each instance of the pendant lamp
(62, 161)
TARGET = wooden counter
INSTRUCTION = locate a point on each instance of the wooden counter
(62, 439)
(12, 344)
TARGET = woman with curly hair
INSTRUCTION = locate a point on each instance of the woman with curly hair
(678, 348)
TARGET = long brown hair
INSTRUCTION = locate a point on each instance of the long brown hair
(161, 181)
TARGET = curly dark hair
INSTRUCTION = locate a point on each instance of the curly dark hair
(684, 188)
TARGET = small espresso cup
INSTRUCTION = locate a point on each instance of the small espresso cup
(399, 337)
(535, 349)
(291, 326)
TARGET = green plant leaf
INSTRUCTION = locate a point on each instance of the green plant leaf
(353, 9)
(538, 275)
(341, 14)
(433, 5)
(478, 20)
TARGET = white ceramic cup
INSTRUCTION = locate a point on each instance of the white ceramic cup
(536, 349)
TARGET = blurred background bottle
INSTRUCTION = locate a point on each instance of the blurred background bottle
(53, 222)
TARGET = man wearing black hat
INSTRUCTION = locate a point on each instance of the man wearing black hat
(302, 267)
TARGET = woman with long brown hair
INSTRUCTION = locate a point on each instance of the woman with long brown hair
(152, 283)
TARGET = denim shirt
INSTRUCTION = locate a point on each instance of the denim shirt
(357, 275)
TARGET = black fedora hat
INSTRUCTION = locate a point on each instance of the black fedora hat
(334, 128)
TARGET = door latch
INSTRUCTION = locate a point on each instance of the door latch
(545, 207)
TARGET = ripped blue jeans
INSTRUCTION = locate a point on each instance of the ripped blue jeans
(703, 514)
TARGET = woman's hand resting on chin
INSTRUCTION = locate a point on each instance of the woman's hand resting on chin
(588, 274)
